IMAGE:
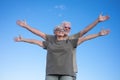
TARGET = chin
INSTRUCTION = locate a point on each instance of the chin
(66, 34)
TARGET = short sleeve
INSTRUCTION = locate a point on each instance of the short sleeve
(74, 42)
(45, 43)
(75, 36)
(49, 37)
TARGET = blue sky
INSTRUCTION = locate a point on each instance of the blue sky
(97, 59)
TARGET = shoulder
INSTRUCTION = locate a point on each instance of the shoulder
(50, 37)
(74, 36)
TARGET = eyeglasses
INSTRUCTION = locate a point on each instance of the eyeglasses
(67, 27)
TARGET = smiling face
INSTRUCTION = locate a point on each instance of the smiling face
(59, 31)
(67, 27)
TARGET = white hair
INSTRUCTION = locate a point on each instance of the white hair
(64, 22)
(58, 27)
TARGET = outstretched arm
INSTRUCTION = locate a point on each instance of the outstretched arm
(101, 33)
(33, 30)
(101, 18)
(32, 41)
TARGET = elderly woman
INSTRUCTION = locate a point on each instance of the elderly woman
(59, 52)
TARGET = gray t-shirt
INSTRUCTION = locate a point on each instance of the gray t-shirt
(60, 56)
(75, 36)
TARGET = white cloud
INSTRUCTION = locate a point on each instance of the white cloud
(61, 7)
(59, 15)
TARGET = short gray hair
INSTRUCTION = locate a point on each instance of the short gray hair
(64, 22)
(58, 27)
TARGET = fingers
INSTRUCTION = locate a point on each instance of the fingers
(24, 21)
(16, 39)
(107, 17)
(107, 31)
(21, 21)
(104, 31)
(103, 17)
(19, 35)
(101, 14)
(18, 21)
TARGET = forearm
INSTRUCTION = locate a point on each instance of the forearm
(32, 41)
(89, 27)
(101, 33)
(88, 37)
(35, 31)
(91, 36)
